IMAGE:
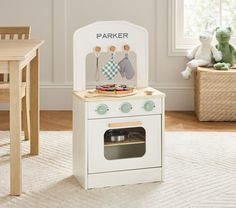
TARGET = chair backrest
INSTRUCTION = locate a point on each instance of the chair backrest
(14, 33)
(11, 33)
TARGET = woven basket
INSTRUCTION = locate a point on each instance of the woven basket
(215, 94)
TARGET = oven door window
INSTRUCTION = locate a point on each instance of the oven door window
(124, 143)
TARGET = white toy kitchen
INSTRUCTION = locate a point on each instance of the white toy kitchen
(118, 127)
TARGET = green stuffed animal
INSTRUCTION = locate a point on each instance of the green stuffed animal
(223, 36)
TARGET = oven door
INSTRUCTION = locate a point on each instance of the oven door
(116, 144)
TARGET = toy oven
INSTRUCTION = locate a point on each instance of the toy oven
(116, 140)
(141, 147)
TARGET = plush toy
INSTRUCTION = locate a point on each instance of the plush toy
(202, 54)
(223, 36)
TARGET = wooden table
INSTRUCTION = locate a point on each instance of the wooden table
(18, 54)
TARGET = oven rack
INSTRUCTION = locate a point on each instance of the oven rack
(129, 141)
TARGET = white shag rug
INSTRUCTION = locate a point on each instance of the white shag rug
(200, 172)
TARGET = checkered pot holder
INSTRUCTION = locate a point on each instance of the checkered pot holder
(110, 69)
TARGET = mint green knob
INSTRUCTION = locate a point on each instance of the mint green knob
(149, 105)
(102, 109)
(126, 107)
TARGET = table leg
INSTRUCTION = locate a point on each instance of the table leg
(15, 128)
(34, 105)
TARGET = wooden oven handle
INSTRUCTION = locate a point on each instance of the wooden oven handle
(125, 124)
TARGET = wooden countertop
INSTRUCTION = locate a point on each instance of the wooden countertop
(140, 94)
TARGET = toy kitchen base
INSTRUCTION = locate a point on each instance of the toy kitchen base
(98, 161)
(116, 140)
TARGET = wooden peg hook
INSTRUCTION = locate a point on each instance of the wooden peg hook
(112, 49)
(97, 49)
(126, 48)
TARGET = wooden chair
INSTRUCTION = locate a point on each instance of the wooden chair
(15, 33)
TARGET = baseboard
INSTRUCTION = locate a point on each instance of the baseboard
(59, 97)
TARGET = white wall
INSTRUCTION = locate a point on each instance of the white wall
(56, 20)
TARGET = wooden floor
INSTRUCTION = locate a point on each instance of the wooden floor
(175, 121)
(187, 121)
(49, 120)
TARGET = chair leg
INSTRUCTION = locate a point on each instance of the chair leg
(25, 118)
(25, 105)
